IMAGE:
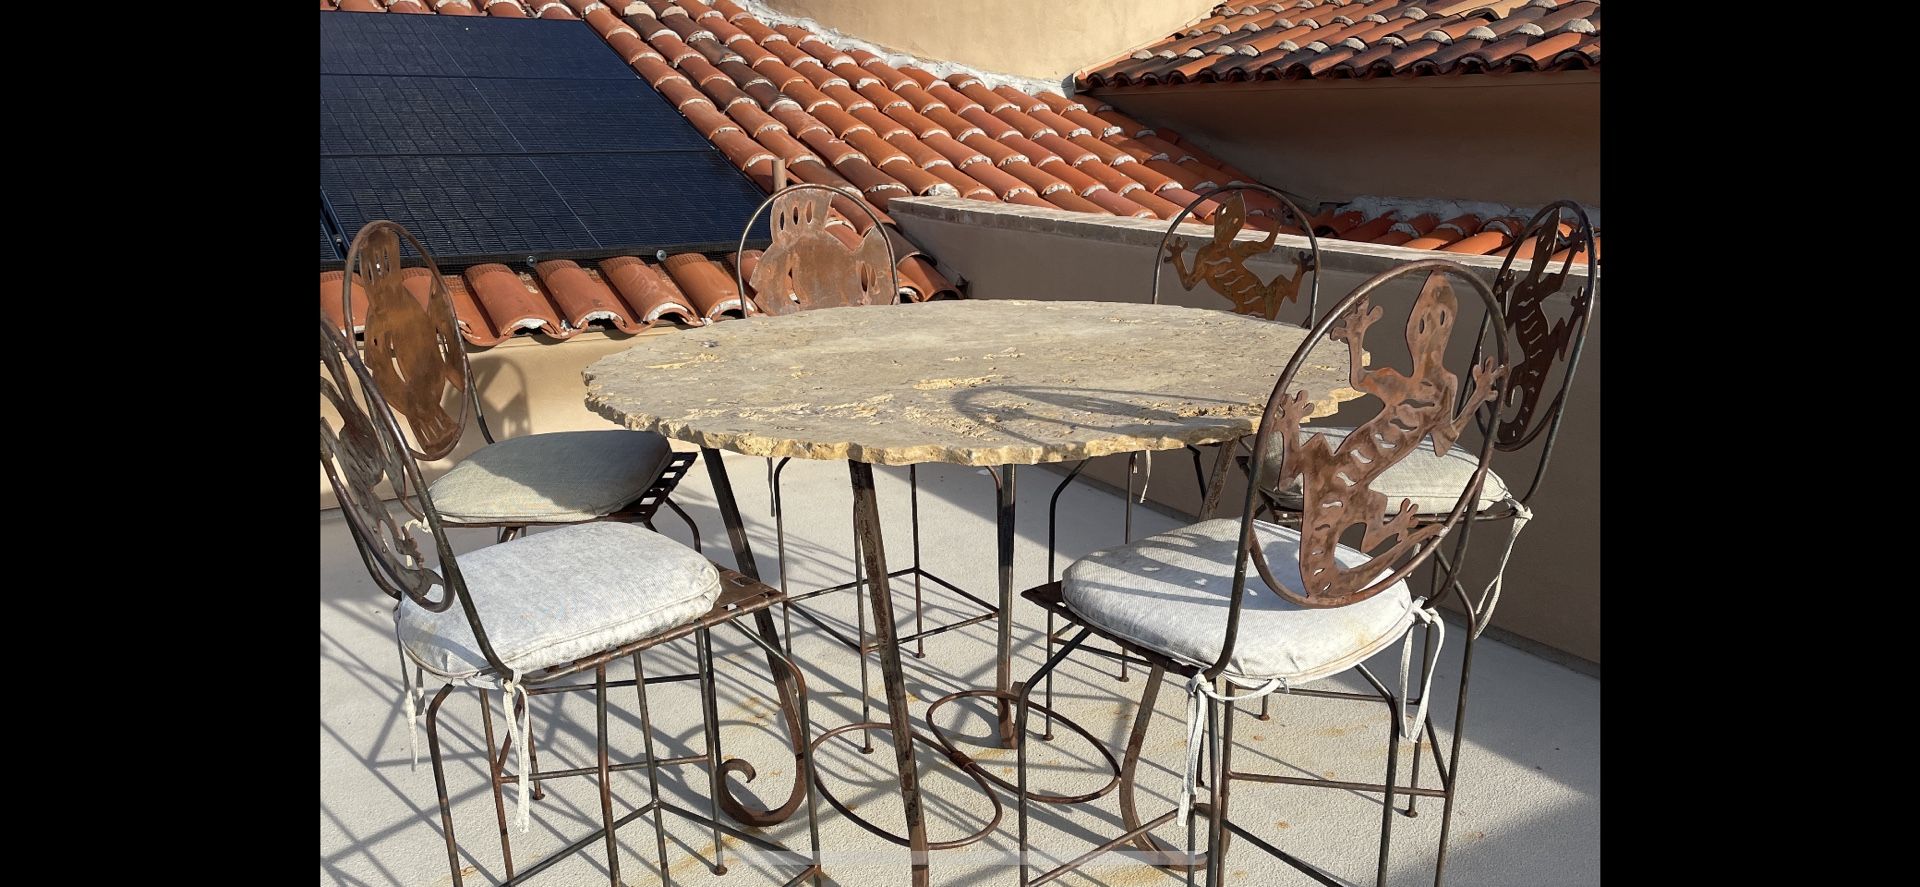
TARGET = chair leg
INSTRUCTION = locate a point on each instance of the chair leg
(1223, 789)
(1386, 801)
(710, 705)
(606, 777)
(780, 548)
(860, 591)
(1053, 539)
(1425, 667)
(1020, 730)
(1453, 763)
(1162, 856)
(1126, 532)
(919, 618)
(440, 782)
(1217, 796)
(688, 518)
(495, 767)
(653, 771)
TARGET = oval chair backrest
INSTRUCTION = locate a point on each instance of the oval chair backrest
(1222, 261)
(1558, 236)
(807, 265)
(412, 344)
(362, 448)
(1416, 410)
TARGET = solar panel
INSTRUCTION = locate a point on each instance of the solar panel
(565, 116)
(328, 253)
(503, 140)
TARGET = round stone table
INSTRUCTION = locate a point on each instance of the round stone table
(994, 383)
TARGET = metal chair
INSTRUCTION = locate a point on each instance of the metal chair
(808, 267)
(420, 363)
(521, 615)
(1184, 602)
(1557, 236)
(1221, 264)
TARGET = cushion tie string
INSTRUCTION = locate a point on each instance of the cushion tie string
(519, 725)
(1148, 480)
(1431, 617)
(1490, 597)
(407, 690)
(1198, 687)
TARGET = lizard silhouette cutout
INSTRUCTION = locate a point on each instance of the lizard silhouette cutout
(407, 346)
(1542, 344)
(1222, 263)
(1337, 479)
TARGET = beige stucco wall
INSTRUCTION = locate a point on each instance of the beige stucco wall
(1525, 139)
(1553, 589)
(1048, 41)
(526, 385)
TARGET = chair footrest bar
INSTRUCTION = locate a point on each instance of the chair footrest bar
(991, 610)
(1335, 783)
(1305, 867)
(577, 846)
(1124, 837)
(508, 778)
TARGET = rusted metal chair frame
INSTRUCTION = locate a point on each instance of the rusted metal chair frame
(1308, 263)
(370, 449)
(863, 642)
(1541, 345)
(454, 353)
(1219, 726)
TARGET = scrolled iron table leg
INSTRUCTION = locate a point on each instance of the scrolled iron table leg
(763, 623)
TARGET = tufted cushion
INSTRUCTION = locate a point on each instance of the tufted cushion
(556, 596)
(557, 477)
(1434, 483)
(1169, 593)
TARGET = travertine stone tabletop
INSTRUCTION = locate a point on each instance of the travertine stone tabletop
(970, 382)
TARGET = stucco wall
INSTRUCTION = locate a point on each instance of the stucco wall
(1048, 41)
(1553, 588)
(1525, 139)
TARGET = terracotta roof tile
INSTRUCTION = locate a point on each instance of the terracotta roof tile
(1318, 39)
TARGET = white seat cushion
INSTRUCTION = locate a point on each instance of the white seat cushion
(1434, 483)
(1170, 593)
(556, 596)
(557, 477)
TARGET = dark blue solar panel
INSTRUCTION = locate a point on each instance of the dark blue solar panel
(409, 115)
(555, 116)
(504, 206)
(495, 140)
(328, 252)
(635, 198)
(465, 46)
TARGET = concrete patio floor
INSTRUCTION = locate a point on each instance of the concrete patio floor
(1528, 815)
